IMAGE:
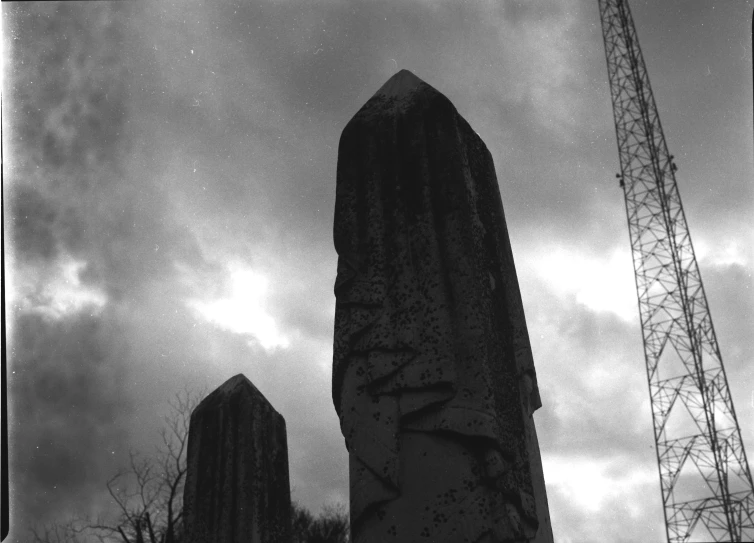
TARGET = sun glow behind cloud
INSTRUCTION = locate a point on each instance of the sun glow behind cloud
(242, 310)
(600, 283)
(733, 250)
(591, 482)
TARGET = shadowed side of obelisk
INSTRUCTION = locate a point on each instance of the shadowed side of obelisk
(237, 488)
(433, 377)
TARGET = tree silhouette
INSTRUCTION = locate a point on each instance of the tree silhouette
(332, 526)
(148, 496)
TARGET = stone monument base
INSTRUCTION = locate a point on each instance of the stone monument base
(444, 499)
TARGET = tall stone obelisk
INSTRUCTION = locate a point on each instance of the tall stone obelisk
(433, 377)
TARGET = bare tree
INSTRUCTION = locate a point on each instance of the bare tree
(57, 533)
(332, 526)
(148, 494)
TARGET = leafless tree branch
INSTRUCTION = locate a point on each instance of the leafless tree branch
(147, 495)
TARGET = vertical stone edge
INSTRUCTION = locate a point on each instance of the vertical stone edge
(189, 487)
(544, 531)
(280, 501)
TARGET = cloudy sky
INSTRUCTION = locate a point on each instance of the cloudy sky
(170, 185)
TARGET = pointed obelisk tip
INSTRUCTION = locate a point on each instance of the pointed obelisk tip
(236, 383)
(403, 92)
(400, 84)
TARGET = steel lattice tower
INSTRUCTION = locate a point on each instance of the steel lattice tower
(704, 474)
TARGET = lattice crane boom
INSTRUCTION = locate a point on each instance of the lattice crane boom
(705, 478)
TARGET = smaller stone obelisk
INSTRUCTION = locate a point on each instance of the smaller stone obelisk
(237, 488)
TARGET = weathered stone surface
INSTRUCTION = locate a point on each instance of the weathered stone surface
(237, 488)
(433, 377)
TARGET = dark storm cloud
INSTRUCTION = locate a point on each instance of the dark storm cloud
(701, 81)
(264, 142)
(518, 10)
(65, 122)
(583, 412)
(33, 216)
(64, 85)
(69, 118)
(315, 55)
(66, 413)
(65, 117)
(74, 197)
